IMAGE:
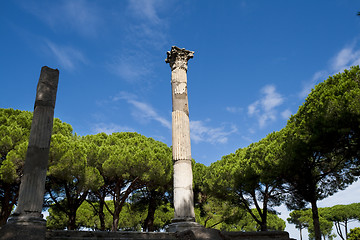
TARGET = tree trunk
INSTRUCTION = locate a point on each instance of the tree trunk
(117, 209)
(100, 195)
(149, 221)
(8, 202)
(5, 212)
(120, 201)
(116, 217)
(102, 214)
(72, 220)
(73, 204)
(263, 215)
(346, 229)
(316, 220)
(338, 230)
(265, 208)
(300, 234)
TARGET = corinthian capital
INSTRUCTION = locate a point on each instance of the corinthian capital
(178, 57)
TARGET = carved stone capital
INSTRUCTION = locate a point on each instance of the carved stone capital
(178, 57)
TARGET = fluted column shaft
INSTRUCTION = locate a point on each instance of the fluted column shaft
(32, 185)
(183, 192)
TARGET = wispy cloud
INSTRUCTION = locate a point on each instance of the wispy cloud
(307, 86)
(265, 108)
(142, 111)
(199, 132)
(67, 56)
(109, 128)
(347, 196)
(344, 59)
(234, 109)
(148, 28)
(79, 16)
(286, 114)
(146, 33)
(131, 67)
(145, 9)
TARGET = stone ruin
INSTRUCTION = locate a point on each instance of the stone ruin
(26, 223)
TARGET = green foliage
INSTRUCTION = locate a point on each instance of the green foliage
(130, 219)
(224, 216)
(129, 162)
(341, 215)
(14, 129)
(325, 229)
(322, 142)
(300, 220)
(303, 219)
(354, 234)
(14, 134)
(70, 177)
(218, 214)
(163, 216)
(249, 224)
(134, 155)
(250, 177)
(313, 157)
(8, 171)
(324, 137)
(68, 163)
(86, 218)
(57, 219)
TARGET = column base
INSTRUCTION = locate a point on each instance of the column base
(24, 227)
(182, 224)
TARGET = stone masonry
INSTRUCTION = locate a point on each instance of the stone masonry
(184, 216)
(27, 221)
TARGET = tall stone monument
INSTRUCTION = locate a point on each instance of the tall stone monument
(184, 216)
(27, 221)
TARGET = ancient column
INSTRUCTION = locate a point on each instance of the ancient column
(27, 216)
(184, 216)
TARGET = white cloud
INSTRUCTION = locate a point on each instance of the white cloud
(148, 28)
(308, 86)
(145, 30)
(271, 99)
(286, 114)
(110, 128)
(145, 9)
(263, 118)
(264, 108)
(344, 59)
(234, 109)
(142, 111)
(347, 196)
(80, 16)
(146, 111)
(67, 56)
(253, 108)
(130, 67)
(199, 132)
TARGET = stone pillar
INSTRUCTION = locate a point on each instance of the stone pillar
(184, 216)
(27, 221)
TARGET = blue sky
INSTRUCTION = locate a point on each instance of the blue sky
(254, 63)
